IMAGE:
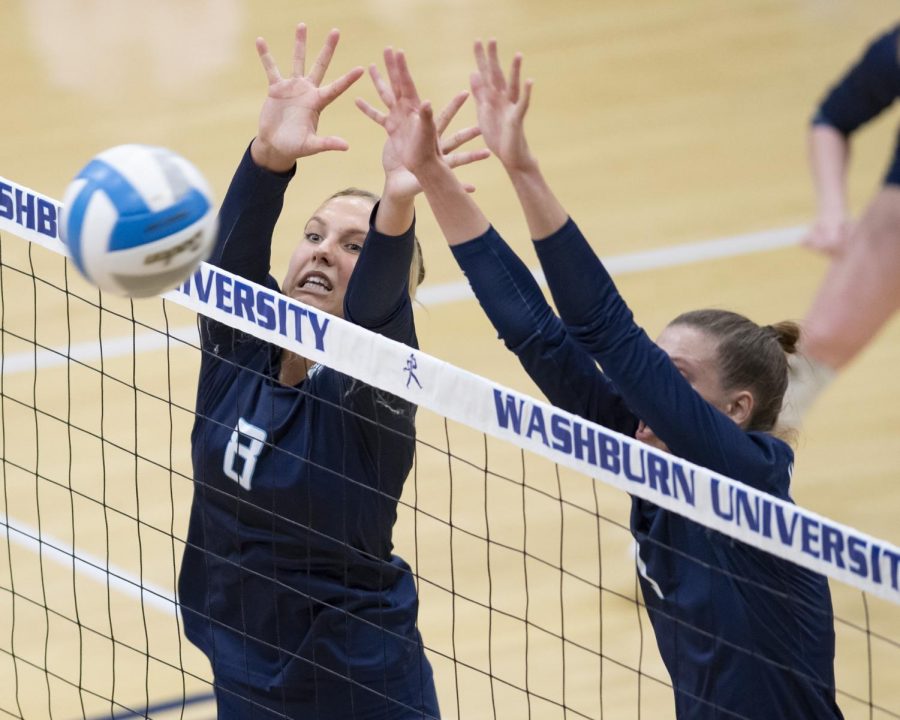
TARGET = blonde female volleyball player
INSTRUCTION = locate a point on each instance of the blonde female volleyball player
(288, 583)
(742, 634)
(862, 288)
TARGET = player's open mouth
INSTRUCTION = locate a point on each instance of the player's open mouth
(315, 282)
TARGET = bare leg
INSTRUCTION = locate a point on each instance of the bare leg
(862, 288)
(860, 293)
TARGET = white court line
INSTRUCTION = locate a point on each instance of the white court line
(429, 296)
(85, 352)
(648, 260)
(61, 552)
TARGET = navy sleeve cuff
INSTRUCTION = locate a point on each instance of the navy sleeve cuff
(407, 237)
(273, 179)
(379, 285)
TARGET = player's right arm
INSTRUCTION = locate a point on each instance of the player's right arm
(247, 219)
(288, 125)
(517, 308)
(653, 387)
(864, 91)
(594, 314)
(504, 286)
(829, 153)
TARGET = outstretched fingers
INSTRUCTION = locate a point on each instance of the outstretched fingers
(324, 58)
(299, 68)
(482, 62)
(409, 87)
(268, 62)
(381, 87)
(461, 137)
(339, 86)
(465, 157)
(371, 112)
(525, 100)
(400, 76)
(496, 72)
(390, 67)
(325, 144)
(490, 77)
(515, 75)
(426, 112)
(477, 86)
(448, 113)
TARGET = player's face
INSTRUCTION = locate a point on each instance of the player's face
(323, 261)
(694, 353)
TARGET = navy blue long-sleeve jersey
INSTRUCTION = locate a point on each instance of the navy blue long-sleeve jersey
(868, 88)
(742, 634)
(288, 582)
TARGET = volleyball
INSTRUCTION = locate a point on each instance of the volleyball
(138, 220)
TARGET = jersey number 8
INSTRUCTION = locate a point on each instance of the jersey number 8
(247, 452)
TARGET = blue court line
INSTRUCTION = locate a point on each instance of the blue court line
(160, 707)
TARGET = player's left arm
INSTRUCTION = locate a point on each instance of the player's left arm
(378, 296)
(652, 386)
(247, 220)
(287, 131)
(514, 303)
(866, 90)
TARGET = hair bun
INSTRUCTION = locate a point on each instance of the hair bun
(787, 333)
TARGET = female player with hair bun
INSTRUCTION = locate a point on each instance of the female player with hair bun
(288, 583)
(742, 633)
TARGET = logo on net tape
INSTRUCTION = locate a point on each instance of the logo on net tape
(165, 256)
(410, 369)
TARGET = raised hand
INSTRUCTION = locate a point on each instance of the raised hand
(501, 105)
(289, 119)
(397, 121)
(409, 122)
(414, 136)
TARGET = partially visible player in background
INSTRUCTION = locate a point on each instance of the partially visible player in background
(288, 583)
(742, 634)
(861, 290)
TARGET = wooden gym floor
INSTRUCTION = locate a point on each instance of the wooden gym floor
(659, 124)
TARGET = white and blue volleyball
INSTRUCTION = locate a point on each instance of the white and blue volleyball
(138, 220)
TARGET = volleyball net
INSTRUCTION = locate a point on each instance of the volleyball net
(513, 518)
